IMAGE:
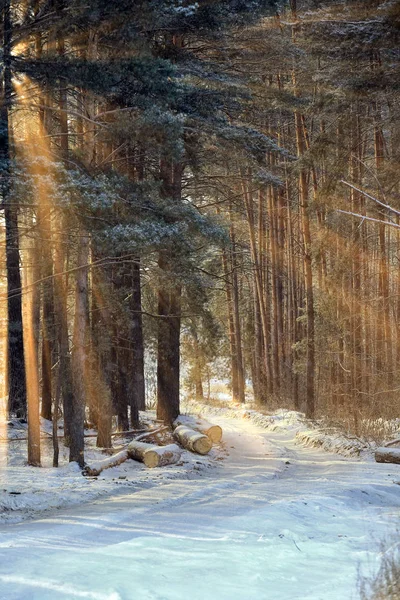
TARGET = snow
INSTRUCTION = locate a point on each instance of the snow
(308, 433)
(275, 520)
(170, 448)
(26, 491)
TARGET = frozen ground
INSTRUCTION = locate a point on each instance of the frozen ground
(274, 521)
(26, 492)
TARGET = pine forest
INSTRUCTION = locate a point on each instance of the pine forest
(200, 221)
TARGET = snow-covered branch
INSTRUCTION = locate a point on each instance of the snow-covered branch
(365, 218)
(353, 187)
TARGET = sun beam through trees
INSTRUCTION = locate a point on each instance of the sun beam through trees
(199, 219)
(195, 191)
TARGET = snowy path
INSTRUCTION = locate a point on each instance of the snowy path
(255, 527)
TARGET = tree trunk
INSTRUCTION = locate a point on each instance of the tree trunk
(231, 325)
(308, 275)
(169, 310)
(17, 401)
(31, 330)
(121, 385)
(60, 308)
(79, 354)
(260, 288)
(168, 356)
(48, 312)
(236, 315)
(56, 447)
(138, 380)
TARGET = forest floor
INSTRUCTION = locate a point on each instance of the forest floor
(27, 492)
(275, 520)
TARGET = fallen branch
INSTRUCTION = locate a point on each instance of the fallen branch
(364, 193)
(192, 440)
(392, 443)
(365, 218)
(151, 432)
(154, 456)
(48, 436)
(119, 433)
(214, 432)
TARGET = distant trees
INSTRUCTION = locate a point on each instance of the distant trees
(323, 286)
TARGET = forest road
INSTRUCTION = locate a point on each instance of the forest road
(273, 521)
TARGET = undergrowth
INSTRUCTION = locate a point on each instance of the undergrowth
(385, 585)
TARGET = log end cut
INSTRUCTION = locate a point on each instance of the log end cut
(193, 440)
(214, 432)
(164, 455)
(202, 445)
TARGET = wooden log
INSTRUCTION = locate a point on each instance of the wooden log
(214, 432)
(388, 455)
(154, 456)
(99, 466)
(192, 440)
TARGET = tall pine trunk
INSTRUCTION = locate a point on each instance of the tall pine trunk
(231, 327)
(169, 310)
(308, 274)
(236, 315)
(168, 355)
(60, 310)
(17, 402)
(138, 401)
(79, 354)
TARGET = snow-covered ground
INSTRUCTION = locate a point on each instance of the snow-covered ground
(275, 520)
(26, 492)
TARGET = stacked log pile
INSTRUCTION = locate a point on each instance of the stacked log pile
(192, 433)
(214, 432)
(192, 440)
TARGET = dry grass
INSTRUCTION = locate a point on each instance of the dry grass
(385, 585)
(363, 422)
(379, 430)
(217, 403)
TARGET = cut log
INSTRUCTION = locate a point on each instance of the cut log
(192, 440)
(99, 466)
(214, 432)
(154, 456)
(388, 455)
